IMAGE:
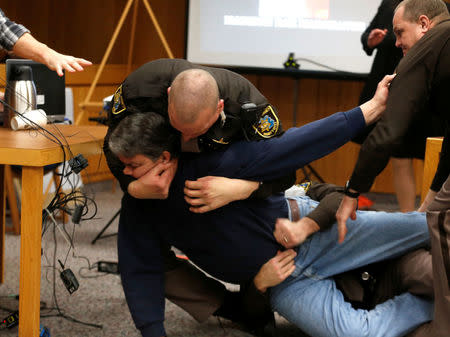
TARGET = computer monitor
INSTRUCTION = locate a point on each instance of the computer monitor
(50, 88)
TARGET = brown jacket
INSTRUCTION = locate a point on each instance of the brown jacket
(417, 94)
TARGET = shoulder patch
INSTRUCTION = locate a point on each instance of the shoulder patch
(298, 190)
(118, 105)
(305, 186)
(268, 124)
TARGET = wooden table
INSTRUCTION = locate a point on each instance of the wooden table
(33, 151)
(432, 153)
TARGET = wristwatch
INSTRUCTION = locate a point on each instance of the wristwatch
(348, 193)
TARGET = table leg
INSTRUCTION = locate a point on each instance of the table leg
(30, 251)
(2, 221)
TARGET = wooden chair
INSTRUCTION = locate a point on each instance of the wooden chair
(432, 154)
(13, 201)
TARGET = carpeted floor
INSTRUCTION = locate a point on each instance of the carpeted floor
(100, 299)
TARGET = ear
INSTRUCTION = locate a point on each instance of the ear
(220, 106)
(168, 90)
(425, 23)
(165, 156)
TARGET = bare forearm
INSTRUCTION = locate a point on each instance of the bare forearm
(291, 234)
(247, 188)
(373, 109)
(310, 226)
(139, 190)
(28, 47)
(136, 190)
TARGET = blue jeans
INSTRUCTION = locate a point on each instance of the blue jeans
(309, 298)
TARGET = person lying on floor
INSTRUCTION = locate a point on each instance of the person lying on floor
(232, 243)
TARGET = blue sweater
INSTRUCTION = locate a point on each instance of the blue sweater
(232, 242)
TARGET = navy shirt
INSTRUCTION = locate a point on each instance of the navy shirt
(232, 242)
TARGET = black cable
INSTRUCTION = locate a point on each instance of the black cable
(59, 202)
(60, 313)
(324, 66)
(71, 241)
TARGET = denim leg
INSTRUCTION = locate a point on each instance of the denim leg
(319, 309)
(309, 298)
(372, 237)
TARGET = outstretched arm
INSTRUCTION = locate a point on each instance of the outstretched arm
(28, 47)
(270, 159)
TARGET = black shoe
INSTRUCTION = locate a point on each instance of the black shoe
(265, 327)
(260, 325)
(231, 307)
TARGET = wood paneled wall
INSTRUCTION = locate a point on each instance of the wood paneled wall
(84, 28)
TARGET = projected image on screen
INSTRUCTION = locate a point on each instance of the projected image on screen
(291, 8)
(323, 34)
(282, 13)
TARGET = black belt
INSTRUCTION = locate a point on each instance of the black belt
(295, 211)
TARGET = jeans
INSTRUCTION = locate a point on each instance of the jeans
(309, 298)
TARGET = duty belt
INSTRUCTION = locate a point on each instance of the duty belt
(295, 211)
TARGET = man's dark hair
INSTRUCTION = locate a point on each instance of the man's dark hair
(415, 8)
(146, 133)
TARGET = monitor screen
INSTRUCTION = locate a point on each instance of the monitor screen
(324, 35)
(50, 88)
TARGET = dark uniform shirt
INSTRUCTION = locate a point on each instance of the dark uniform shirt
(417, 95)
(145, 90)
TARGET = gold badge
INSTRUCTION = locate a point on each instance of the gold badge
(268, 124)
(118, 105)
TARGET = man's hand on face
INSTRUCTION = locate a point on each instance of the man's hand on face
(155, 182)
(208, 193)
(376, 36)
(347, 209)
(291, 234)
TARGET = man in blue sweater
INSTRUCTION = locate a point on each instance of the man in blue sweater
(233, 242)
